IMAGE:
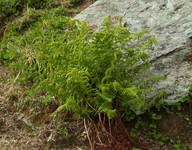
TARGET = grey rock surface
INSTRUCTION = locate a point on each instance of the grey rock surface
(171, 22)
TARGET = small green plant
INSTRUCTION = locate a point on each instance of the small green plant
(188, 97)
(134, 148)
(153, 125)
(154, 116)
(188, 120)
(83, 134)
(133, 133)
(140, 123)
(64, 133)
(47, 100)
(177, 145)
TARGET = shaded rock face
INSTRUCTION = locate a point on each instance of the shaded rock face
(171, 22)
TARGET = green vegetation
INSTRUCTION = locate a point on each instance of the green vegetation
(153, 123)
(89, 73)
(75, 1)
(12, 8)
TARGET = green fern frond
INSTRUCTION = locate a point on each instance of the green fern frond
(132, 91)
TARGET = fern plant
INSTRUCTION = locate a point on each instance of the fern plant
(93, 72)
(103, 72)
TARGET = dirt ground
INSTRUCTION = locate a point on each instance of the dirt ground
(20, 129)
(14, 133)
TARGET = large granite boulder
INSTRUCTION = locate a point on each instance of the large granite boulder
(171, 22)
